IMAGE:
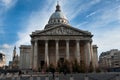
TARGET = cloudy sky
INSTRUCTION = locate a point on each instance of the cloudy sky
(19, 18)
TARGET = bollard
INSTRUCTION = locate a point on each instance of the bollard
(117, 77)
(13, 78)
(46, 78)
(31, 78)
(38, 78)
(86, 77)
(71, 77)
(18, 78)
(1, 76)
(4, 77)
(56, 78)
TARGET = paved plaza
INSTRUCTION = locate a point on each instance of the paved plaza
(92, 76)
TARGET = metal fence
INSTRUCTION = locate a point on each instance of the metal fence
(60, 77)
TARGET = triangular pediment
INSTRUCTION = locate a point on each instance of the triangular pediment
(63, 30)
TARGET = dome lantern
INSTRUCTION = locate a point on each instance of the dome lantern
(58, 7)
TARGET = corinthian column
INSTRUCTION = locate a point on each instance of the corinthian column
(78, 50)
(67, 50)
(46, 53)
(36, 55)
(87, 53)
(57, 51)
(32, 55)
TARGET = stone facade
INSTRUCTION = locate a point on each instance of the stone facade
(109, 59)
(25, 51)
(116, 60)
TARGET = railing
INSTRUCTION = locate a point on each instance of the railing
(57, 77)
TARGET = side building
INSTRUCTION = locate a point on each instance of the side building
(25, 51)
(116, 60)
(2, 60)
(110, 59)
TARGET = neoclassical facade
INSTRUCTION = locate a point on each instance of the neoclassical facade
(25, 52)
(60, 41)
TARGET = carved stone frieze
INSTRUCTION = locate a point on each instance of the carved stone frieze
(61, 31)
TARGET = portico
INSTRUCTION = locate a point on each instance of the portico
(50, 51)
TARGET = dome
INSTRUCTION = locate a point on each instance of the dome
(57, 15)
(57, 18)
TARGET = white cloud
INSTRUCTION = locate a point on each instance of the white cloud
(74, 8)
(105, 27)
(23, 38)
(106, 37)
(108, 40)
(6, 46)
(5, 5)
(1, 51)
(37, 21)
(117, 0)
(8, 3)
(91, 14)
(7, 50)
(102, 18)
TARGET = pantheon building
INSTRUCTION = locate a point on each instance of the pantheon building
(61, 41)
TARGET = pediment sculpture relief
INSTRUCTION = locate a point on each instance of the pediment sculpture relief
(61, 31)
